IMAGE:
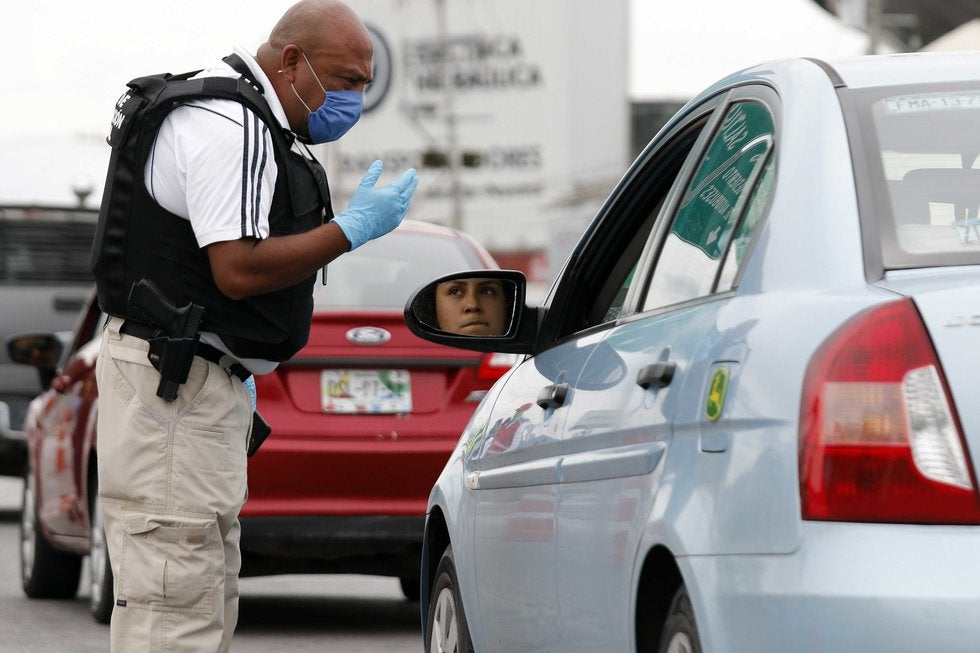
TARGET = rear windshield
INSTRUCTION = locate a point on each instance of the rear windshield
(383, 273)
(46, 246)
(923, 143)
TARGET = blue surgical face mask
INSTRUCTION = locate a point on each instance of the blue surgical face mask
(338, 113)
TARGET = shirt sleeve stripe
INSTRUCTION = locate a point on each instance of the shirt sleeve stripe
(258, 165)
(262, 168)
(245, 176)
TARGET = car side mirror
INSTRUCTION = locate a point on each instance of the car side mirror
(40, 350)
(481, 310)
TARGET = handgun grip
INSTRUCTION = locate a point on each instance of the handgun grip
(182, 322)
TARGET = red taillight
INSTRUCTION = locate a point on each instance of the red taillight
(879, 437)
(494, 366)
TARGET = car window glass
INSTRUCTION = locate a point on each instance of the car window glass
(753, 215)
(611, 300)
(616, 308)
(88, 328)
(716, 198)
(926, 143)
(616, 267)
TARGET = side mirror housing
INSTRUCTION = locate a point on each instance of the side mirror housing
(479, 310)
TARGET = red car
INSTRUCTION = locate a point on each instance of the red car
(363, 419)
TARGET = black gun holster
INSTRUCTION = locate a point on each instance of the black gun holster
(172, 357)
(173, 341)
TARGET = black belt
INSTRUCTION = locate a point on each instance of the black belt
(204, 350)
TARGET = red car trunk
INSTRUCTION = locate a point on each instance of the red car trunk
(365, 463)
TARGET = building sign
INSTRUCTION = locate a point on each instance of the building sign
(487, 100)
(470, 62)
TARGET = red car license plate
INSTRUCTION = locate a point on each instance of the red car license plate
(366, 391)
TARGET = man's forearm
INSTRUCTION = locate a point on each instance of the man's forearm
(248, 266)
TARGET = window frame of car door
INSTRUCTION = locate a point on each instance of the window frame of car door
(755, 92)
(619, 222)
(761, 94)
(619, 219)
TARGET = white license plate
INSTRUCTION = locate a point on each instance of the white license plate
(366, 391)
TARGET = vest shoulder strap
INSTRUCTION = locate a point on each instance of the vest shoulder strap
(155, 96)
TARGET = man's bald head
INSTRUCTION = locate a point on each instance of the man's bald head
(317, 45)
(309, 22)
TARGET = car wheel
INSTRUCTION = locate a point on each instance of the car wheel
(100, 571)
(447, 631)
(45, 572)
(411, 588)
(680, 634)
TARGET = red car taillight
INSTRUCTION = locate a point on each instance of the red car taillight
(494, 366)
(880, 440)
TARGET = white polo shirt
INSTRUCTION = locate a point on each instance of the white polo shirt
(213, 163)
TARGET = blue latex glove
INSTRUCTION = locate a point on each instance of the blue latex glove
(373, 212)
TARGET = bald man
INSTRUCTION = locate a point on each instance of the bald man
(213, 197)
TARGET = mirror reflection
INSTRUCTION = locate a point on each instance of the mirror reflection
(40, 350)
(471, 306)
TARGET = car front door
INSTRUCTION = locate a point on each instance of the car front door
(515, 463)
(513, 475)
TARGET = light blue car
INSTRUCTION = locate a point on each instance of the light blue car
(747, 417)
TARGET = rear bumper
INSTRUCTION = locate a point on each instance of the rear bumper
(376, 545)
(850, 587)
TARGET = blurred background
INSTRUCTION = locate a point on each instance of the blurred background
(520, 115)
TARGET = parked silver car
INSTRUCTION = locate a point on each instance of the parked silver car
(748, 417)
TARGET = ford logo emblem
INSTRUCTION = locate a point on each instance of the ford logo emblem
(368, 336)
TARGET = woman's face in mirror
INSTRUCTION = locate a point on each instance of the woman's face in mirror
(474, 307)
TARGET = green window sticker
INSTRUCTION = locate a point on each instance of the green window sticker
(708, 210)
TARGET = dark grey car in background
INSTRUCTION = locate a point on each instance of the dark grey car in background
(44, 281)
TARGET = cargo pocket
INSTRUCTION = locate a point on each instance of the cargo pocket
(169, 563)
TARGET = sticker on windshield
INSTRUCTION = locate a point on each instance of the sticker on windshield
(932, 102)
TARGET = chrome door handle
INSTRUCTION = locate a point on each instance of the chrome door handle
(658, 375)
(553, 396)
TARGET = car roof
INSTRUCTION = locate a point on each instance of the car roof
(860, 72)
(908, 68)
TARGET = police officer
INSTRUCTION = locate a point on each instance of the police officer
(212, 196)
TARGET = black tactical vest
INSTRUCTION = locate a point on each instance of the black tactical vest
(136, 238)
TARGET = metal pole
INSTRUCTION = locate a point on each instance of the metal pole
(874, 25)
(452, 147)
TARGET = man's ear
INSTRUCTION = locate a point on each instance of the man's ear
(288, 61)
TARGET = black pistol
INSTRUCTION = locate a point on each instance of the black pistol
(172, 351)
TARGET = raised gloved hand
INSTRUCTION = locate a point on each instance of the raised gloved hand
(373, 212)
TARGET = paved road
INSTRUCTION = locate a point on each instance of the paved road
(350, 614)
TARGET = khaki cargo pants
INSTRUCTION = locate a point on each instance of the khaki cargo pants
(172, 479)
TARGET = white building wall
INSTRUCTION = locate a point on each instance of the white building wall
(536, 88)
